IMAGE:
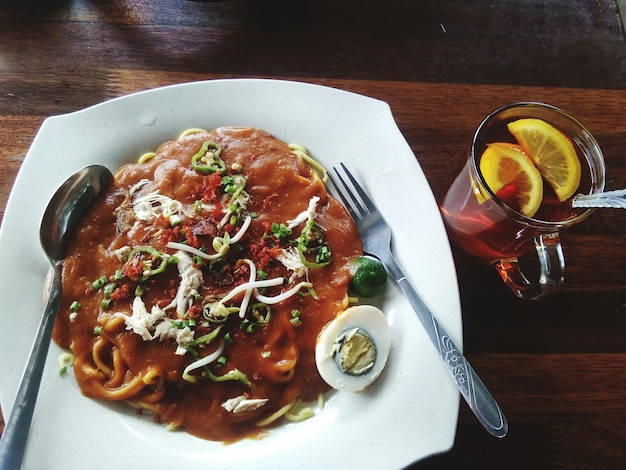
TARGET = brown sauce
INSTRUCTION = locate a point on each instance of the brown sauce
(277, 358)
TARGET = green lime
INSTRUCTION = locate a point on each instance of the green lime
(370, 277)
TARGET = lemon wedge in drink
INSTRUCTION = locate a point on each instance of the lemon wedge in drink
(553, 153)
(513, 177)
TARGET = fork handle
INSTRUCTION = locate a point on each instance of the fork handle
(479, 399)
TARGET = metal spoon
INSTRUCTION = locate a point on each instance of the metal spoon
(609, 199)
(63, 211)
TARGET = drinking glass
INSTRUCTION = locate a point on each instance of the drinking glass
(492, 232)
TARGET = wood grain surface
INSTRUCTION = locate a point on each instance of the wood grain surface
(557, 367)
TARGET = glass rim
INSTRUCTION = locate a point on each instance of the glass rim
(532, 221)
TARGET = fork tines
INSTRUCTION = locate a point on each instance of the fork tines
(346, 191)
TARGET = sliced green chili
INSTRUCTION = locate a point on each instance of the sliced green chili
(208, 160)
(204, 339)
(261, 313)
(153, 261)
(311, 242)
(234, 374)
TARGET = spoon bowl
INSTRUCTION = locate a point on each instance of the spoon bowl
(61, 215)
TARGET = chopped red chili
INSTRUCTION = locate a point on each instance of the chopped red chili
(133, 269)
(121, 292)
(190, 237)
(211, 186)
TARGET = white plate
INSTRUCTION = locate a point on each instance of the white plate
(408, 414)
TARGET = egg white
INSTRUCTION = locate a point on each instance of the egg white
(368, 318)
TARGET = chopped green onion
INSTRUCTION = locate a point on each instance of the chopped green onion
(65, 360)
(295, 318)
(97, 330)
(323, 254)
(175, 219)
(109, 288)
(99, 283)
(75, 306)
(188, 322)
(280, 231)
(247, 326)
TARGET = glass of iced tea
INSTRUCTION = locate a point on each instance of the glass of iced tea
(525, 163)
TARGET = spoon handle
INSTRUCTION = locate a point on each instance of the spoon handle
(609, 199)
(15, 434)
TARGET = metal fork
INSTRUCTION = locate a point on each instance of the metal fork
(376, 237)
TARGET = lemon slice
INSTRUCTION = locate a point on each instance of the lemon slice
(506, 166)
(553, 153)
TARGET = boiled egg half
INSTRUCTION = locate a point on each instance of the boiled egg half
(352, 350)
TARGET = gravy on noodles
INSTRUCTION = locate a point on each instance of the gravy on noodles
(150, 308)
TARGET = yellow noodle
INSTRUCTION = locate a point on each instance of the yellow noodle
(97, 359)
(193, 130)
(301, 415)
(108, 372)
(273, 417)
(146, 157)
(119, 369)
(320, 401)
(125, 391)
(112, 324)
(302, 152)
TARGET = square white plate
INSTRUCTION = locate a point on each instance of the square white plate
(408, 414)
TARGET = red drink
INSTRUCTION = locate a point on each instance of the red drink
(489, 226)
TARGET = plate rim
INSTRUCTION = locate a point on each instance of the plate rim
(57, 120)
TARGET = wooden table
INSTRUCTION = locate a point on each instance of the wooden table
(557, 367)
